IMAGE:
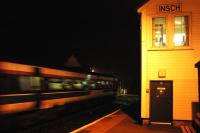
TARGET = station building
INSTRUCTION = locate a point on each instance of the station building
(170, 44)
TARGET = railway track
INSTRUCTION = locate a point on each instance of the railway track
(59, 119)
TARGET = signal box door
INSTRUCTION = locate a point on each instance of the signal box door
(161, 101)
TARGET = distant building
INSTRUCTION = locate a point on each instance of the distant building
(74, 65)
(72, 62)
(170, 45)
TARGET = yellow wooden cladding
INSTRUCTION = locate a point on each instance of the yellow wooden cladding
(177, 63)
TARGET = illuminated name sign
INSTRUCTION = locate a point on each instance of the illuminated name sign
(169, 8)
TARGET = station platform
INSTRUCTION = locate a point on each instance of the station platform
(120, 122)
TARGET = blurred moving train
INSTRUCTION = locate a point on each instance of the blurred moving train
(28, 87)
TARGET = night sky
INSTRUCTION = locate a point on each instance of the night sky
(102, 33)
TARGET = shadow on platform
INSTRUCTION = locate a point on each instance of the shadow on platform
(130, 104)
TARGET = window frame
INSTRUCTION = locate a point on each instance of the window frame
(150, 37)
(181, 27)
(189, 46)
(170, 18)
(153, 45)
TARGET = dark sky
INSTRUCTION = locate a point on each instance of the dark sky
(101, 33)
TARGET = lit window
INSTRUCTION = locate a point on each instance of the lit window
(181, 31)
(159, 31)
(29, 83)
(92, 85)
(55, 84)
(67, 84)
(77, 85)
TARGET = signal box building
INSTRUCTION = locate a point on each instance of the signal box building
(170, 44)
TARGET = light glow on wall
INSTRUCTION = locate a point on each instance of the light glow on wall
(180, 30)
(179, 39)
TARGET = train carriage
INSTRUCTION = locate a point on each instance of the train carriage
(28, 87)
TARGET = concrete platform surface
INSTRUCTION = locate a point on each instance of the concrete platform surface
(119, 122)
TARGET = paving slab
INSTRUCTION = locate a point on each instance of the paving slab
(120, 122)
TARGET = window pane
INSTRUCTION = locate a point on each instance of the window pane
(159, 31)
(77, 84)
(85, 84)
(92, 85)
(98, 84)
(29, 83)
(181, 31)
(55, 84)
(67, 84)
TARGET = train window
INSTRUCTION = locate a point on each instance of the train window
(29, 83)
(107, 84)
(77, 85)
(24, 83)
(35, 83)
(85, 84)
(67, 84)
(92, 85)
(55, 84)
(98, 84)
(103, 84)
